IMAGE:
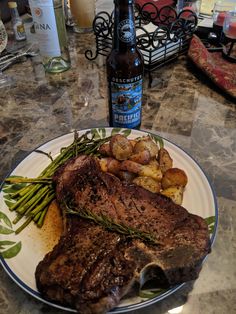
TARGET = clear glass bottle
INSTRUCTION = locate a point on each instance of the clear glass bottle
(50, 29)
(17, 24)
(125, 70)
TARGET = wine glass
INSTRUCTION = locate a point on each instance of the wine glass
(4, 80)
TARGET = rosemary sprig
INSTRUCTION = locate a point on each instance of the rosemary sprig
(111, 225)
(32, 200)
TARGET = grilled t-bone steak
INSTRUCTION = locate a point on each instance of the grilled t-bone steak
(92, 268)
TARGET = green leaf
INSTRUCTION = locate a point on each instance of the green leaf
(95, 134)
(210, 220)
(5, 243)
(103, 131)
(115, 131)
(126, 132)
(3, 217)
(211, 223)
(12, 188)
(4, 230)
(158, 140)
(7, 197)
(9, 204)
(211, 229)
(11, 252)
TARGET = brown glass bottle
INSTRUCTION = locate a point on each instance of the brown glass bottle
(124, 70)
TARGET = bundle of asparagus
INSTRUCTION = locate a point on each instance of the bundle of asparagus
(33, 199)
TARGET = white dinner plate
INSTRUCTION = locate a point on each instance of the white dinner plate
(3, 37)
(33, 243)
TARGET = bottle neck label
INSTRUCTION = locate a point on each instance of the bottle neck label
(126, 31)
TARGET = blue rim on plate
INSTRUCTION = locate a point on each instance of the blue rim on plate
(144, 302)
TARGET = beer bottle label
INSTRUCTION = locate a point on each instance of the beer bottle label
(126, 102)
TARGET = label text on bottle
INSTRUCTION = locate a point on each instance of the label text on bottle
(126, 99)
(45, 27)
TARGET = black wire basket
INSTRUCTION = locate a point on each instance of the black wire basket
(162, 34)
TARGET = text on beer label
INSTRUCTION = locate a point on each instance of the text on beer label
(126, 80)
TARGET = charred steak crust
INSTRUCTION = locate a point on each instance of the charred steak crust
(82, 184)
(86, 269)
(91, 268)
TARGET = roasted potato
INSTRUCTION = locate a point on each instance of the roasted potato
(154, 163)
(175, 193)
(148, 183)
(146, 144)
(110, 165)
(105, 149)
(152, 170)
(143, 157)
(174, 177)
(142, 170)
(164, 159)
(120, 146)
(130, 166)
(141, 162)
(133, 142)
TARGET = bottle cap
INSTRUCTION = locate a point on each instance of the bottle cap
(12, 5)
(123, 2)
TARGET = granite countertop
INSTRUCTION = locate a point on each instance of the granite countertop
(181, 105)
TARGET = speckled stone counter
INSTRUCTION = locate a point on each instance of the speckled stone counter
(181, 105)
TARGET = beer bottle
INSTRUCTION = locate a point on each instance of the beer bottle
(124, 70)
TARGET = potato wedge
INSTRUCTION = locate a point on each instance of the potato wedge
(133, 142)
(151, 171)
(164, 159)
(175, 193)
(110, 165)
(146, 144)
(120, 146)
(174, 177)
(142, 170)
(154, 163)
(141, 157)
(105, 149)
(148, 183)
(131, 166)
